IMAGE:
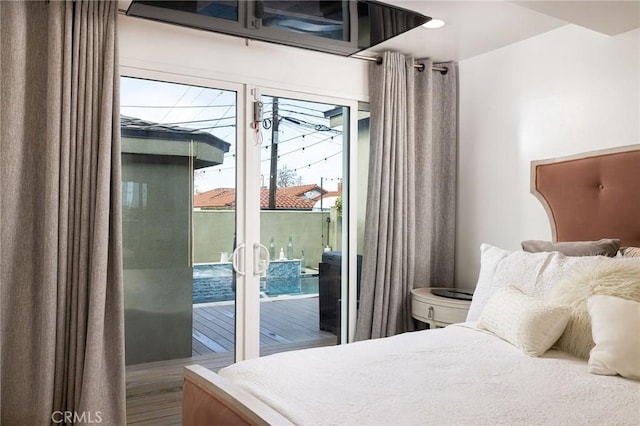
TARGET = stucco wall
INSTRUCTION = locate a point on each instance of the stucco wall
(213, 233)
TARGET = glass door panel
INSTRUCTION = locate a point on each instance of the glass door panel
(178, 205)
(303, 157)
(194, 192)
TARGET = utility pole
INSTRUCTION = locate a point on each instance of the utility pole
(273, 173)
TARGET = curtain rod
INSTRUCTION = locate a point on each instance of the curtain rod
(418, 66)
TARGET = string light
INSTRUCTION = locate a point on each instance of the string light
(286, 153)
(267, 146)
(319, 161)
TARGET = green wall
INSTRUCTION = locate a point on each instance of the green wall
(156, 223)
(213, 233)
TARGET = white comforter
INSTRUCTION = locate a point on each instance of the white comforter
(453, 376)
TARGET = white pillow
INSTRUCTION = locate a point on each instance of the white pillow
(618, 277)
(526, 322)
(615, 324)
(533, 273)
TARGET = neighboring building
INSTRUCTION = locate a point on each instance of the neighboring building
(161, 140)
(302, 197)
(157, 165)
(157, 180)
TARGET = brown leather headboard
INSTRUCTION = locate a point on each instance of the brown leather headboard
(592, 195)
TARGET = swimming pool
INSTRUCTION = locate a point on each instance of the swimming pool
(213, 282)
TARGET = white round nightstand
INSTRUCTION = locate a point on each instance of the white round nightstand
(437, 311)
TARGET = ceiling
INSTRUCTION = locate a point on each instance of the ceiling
(476, 27)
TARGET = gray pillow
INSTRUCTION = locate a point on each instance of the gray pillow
(605, 247)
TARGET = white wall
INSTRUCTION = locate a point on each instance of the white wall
(564, 92)
(151, 45)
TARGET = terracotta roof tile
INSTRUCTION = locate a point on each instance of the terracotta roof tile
(299, 190)
(284, 200)
(225, 198)
(219, 197)
(328, 195)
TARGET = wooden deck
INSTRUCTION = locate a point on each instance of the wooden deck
(288, 321)
(154, 390)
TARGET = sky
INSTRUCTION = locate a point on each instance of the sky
(306, 142)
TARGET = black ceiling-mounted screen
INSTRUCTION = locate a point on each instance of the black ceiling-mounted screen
(342, 27)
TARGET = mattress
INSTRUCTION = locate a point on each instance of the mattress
(458, 375)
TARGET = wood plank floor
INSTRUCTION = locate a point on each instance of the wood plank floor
(154, 390)
(281, 322)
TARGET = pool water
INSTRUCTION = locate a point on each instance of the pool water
(213, 282)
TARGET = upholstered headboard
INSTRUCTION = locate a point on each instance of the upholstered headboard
(592, 195)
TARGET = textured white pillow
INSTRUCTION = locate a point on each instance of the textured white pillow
(618, 277)
(527, 322)
(615, 324)
(533, 273)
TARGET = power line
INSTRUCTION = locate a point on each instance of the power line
(216, 127)
(177, 102)
(214, 106)
(330, 139)
(302, 136)
(302, 123)
(266, 145)
(308, 108)
(292, 121)
(223, 114)
(212, 101)
(297, 149)
(198, 121)
(308, 146)
(193, 101)
(279, 156)
(177, 106)
(304, 113)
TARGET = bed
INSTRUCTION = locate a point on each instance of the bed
(498, 367)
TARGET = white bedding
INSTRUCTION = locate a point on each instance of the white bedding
(453, 376)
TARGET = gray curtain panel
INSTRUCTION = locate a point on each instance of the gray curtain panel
(411, 199)
(62, 339)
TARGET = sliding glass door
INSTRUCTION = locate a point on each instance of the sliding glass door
(235, 220)
(302, 164)
(178, 219)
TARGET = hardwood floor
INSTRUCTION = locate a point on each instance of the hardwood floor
(154, 390)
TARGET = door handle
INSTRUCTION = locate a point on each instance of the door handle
(234, 259)
(256, 259)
